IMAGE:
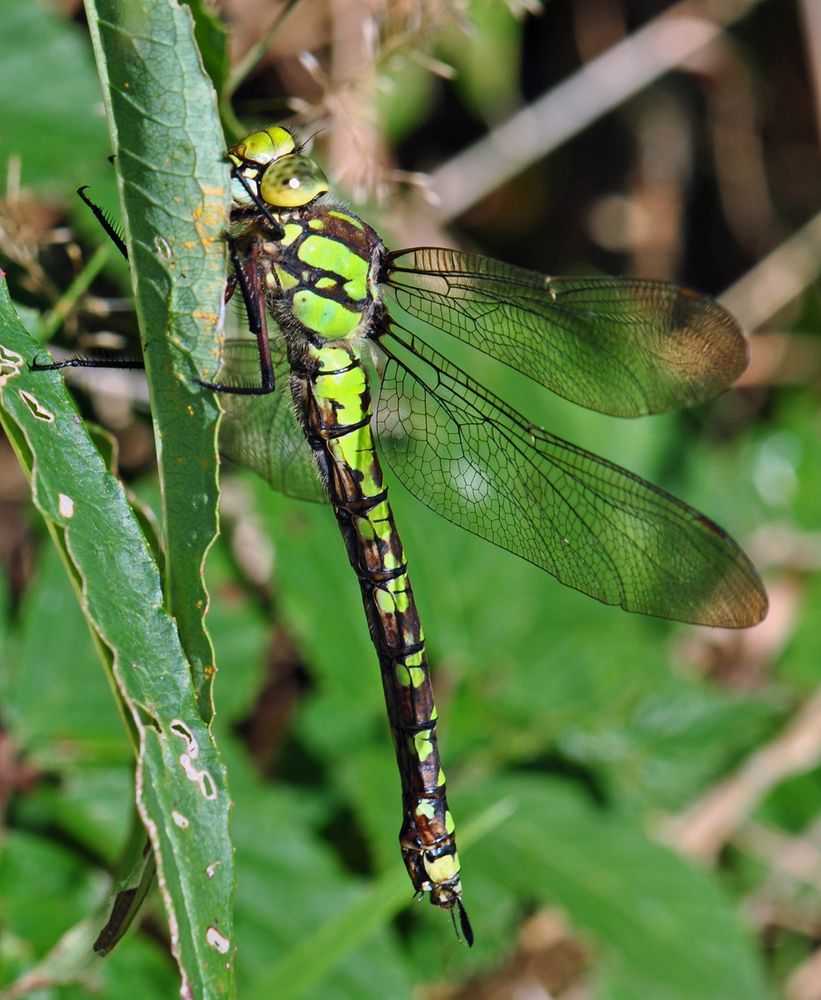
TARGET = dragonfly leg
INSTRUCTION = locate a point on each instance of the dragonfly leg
(116, 363)
(247, 275)
(99, 214)
(276, 229)
(123, 364)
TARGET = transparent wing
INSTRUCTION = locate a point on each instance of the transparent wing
(262, 432)
(619, 346)
(594, 526)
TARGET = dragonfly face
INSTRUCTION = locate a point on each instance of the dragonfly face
(624, 347)
(267, 167)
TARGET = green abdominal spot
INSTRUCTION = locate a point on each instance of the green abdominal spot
(423, 745)
(410, 676)
(331, 359)
(442, 869)
(356, 451)
(324, 316)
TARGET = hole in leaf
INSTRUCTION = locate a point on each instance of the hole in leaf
(37, 409)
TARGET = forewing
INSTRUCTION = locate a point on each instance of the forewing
(594, 526)
(262, 432)
(620, 346)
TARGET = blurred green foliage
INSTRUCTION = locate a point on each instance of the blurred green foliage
(567, 728)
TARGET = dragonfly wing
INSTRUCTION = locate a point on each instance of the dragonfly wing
(262, 432)
(620, 346)
(591, 524)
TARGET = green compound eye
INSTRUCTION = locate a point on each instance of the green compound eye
(292, 182)
(263, 147)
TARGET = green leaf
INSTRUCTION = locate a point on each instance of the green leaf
(170, 158)
(487, 69)
(330, 940)
(60, 714)
(326, 960)
(51, 120)
(35, 868)
(182, 795)
(665, 923)
(144, 965)
(169, 150)
(212, 41)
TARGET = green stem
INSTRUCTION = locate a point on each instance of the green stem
(255, 53)
(65, 305)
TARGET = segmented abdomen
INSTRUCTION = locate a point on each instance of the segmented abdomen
(331, 392)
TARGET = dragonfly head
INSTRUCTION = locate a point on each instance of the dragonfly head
(274, 171)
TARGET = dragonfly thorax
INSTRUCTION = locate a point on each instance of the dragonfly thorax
(319, 277)
(315, 256)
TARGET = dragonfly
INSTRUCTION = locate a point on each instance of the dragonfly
(347, 312)
(334, 313)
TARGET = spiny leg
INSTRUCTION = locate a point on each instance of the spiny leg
(276, 229)
(99, 214)
(122, 364)
(253, 298)
(248, 276)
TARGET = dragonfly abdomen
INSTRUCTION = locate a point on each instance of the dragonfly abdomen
(332, 394)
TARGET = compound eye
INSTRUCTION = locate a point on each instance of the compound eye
(292, 182)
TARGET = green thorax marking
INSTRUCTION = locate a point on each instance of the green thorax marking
(352, 219)
(325, 254)
(322, 270)
(292, 233)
